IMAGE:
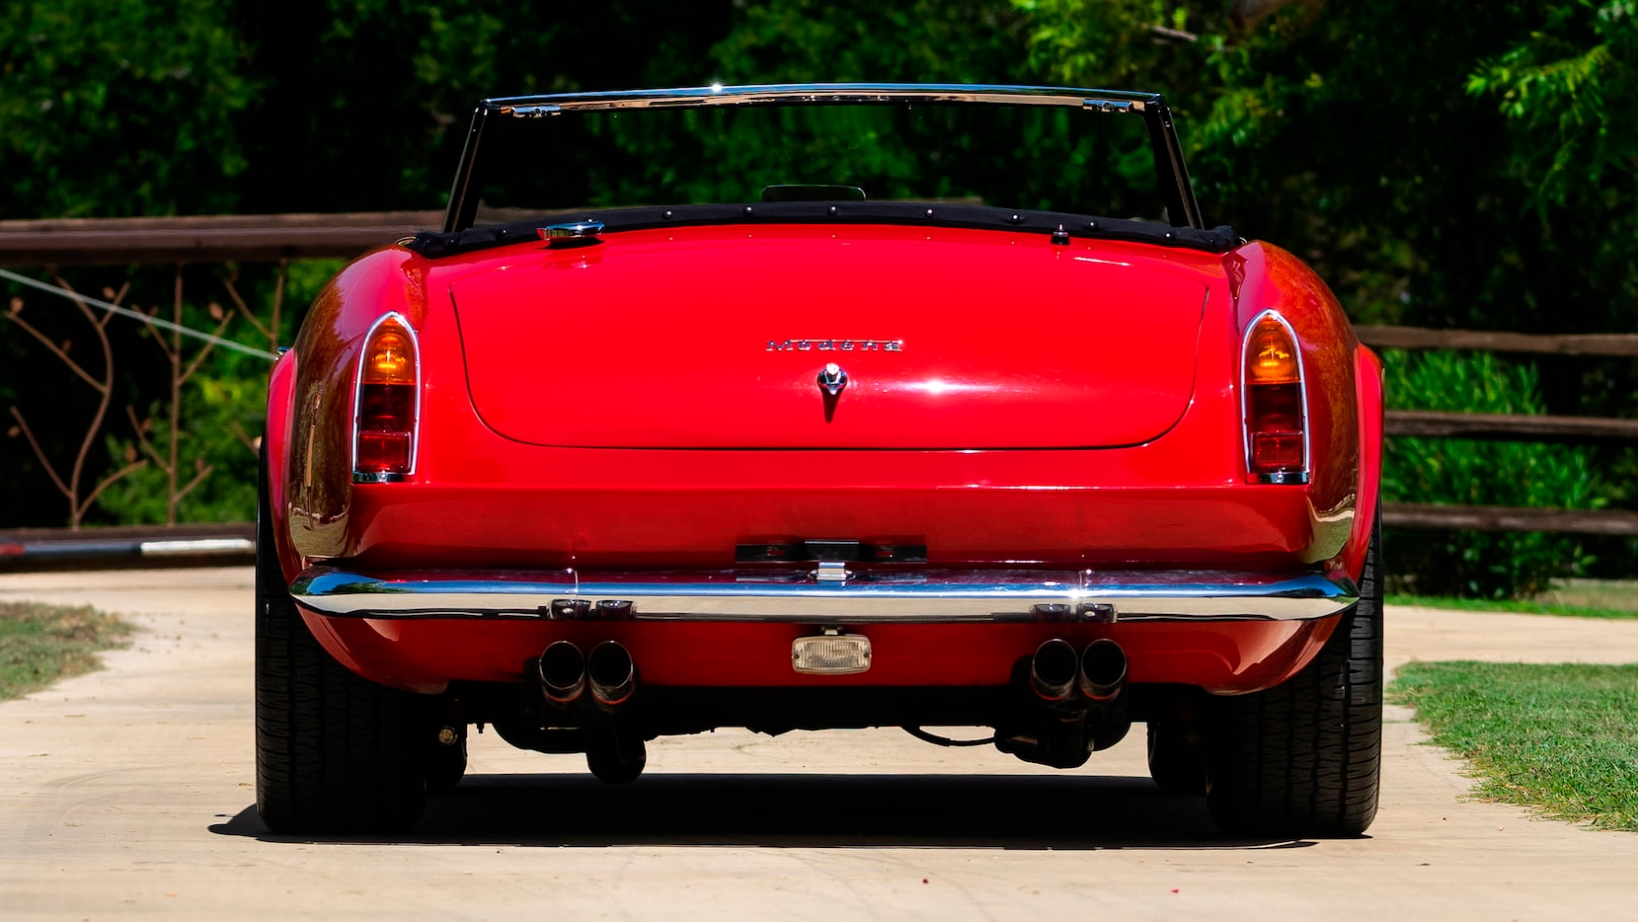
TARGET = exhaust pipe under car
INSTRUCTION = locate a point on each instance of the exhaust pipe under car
(1052, 670)
(1103, 670)
(611, 674)
(562, 673)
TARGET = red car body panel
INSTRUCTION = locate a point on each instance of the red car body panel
(1221, 657)
(619, 407)
(708, 337)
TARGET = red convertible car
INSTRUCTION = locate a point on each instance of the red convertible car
(809, 407)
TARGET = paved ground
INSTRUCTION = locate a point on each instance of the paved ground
(129, 793)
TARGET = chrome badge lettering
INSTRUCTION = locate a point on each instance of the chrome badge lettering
(836, 345)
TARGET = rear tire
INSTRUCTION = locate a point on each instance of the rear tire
(445, 762)
(1177, 759)
(1304, 758)
(613, 756)
(334, 752)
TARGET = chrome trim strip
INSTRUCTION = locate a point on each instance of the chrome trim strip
(1283, 477)
(378, 476)
(717, 95)
(927, 595)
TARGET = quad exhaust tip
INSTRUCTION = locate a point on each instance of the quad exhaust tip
(611, 674)
(1052, 670)
(1103, 670)
(562, 672)
(1099, 672)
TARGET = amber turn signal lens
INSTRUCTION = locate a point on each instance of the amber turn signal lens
(1271, 355)
(389, 357)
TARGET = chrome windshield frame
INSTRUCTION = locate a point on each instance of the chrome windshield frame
(1173, 173)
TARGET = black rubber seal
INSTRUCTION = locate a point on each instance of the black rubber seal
(915, 214)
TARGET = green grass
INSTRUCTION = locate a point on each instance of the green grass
(1562, 738)
(1576, 598)
(40, 644)
(1521, 606)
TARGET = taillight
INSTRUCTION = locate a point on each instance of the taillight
(1275, 409)
(388, 403)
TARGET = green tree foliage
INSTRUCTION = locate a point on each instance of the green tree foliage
(113, 107)
(1468, 164)
(1352, 134)
(811, 41)
(1570, 91)
(221, 416)
(365, 103)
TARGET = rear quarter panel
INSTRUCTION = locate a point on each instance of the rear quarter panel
(315, 468)
(1341, 389)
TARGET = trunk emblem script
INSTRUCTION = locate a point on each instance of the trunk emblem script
(836, 345)
(833, 379)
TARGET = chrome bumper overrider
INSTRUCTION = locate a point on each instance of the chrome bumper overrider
(828, 596)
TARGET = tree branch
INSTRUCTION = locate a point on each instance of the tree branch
(142, 439)
(57, 350)
(244, 438)
(108, 481)
(204, 350)
(278, 303)
(1246, 13)
(158, 338)
(233, 292)
(203, 473)
(1178, 34)
(40, 453)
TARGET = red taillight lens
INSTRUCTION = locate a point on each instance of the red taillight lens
(1275, 422)
(388, 402)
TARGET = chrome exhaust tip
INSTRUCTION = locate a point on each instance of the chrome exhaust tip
(1103, 670)
(611, 674)
(562, 672)
(1052, 670)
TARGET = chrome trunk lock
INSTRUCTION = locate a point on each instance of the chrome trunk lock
(572, 233)
(833, 379)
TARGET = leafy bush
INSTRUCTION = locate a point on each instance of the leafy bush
(1465, 472)
(221, 418)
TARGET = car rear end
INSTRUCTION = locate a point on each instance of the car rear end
(632, 445)
(820, 464)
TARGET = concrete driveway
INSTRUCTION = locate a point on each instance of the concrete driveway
(130, 793)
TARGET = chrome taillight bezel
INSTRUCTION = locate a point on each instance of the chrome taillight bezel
(358, 403)
(1282, 477)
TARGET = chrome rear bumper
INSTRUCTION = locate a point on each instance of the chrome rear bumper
(827, 595)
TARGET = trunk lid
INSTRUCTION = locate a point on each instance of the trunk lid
(716, 338)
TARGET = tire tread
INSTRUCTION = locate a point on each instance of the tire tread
(1304, 758)
(334, 751)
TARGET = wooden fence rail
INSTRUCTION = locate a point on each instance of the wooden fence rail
(214, 238)
(271, 238)
(1610, 344)
(1578, 430)
(1490, 426)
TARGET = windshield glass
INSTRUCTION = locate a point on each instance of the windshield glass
(1010, 156)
